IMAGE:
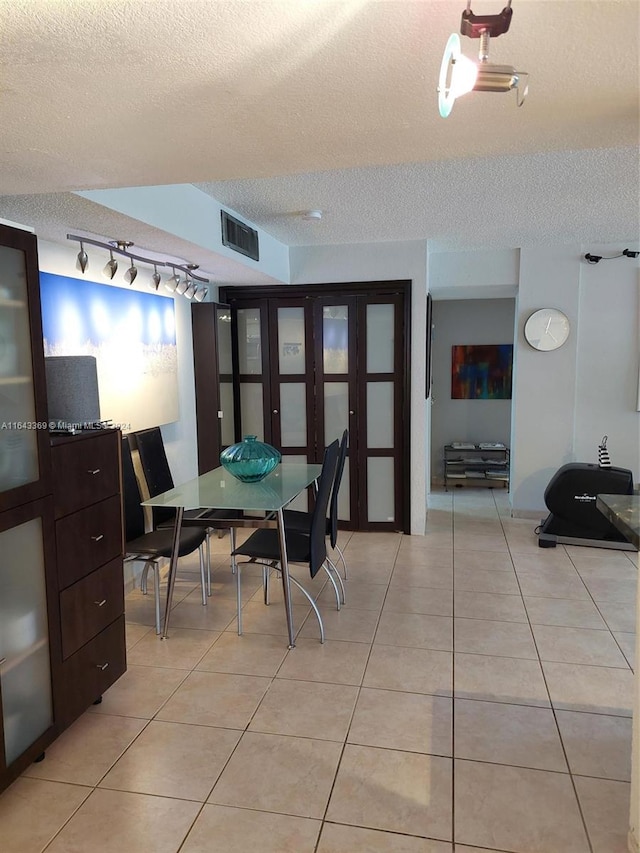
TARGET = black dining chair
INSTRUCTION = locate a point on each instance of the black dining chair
(157, 474)
(158, 544)
(310, 548)
(301, 521)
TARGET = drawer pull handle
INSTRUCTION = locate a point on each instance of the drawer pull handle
(102, 666)
(100, 603)
(93, 471)
(2, 660)
(98, 538)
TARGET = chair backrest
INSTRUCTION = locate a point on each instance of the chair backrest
(133, 511)
(333, 506)
(318, 536)
(156, 470)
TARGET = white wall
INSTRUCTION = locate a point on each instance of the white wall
(563, 401)
(466, 321)
(179, 437)
(385, 262)
(566, 400)
(474, 275)
(188, 212)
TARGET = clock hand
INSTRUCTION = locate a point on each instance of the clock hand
(546, 331)
(554, 339)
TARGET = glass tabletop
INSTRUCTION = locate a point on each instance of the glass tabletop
(217, 489)
(623, 511)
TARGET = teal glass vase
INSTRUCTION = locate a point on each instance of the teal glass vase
(250, 460)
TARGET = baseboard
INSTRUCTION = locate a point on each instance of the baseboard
(536, 514)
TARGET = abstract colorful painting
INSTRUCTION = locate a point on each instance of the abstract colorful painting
(481, 371)
(133, 338)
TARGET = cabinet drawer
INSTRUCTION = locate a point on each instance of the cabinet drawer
(85, 471)
(88, 539)
(87, 607)
(91, 670)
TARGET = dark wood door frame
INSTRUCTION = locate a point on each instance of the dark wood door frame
(335, 292)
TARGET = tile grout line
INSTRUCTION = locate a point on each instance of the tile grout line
(555, 717)
(353, 710)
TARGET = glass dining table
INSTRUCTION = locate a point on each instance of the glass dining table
(217, 489)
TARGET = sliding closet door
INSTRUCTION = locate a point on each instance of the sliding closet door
(252, 380)
(335, 388)
(292, 382)
(380, 446)
(314, 361)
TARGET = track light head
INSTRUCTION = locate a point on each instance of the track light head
(154, 284)
(201, 294)
(83, 259)
(111, 266)
(183, 286)
(592, 259)
(172, 283)
(131, 273)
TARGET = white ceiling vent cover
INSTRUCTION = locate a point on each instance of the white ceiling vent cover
(238, 236)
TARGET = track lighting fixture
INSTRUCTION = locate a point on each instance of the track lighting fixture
(459, 75)
(625, 253)
(175, 284)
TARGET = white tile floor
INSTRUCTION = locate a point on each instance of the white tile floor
(473, 695)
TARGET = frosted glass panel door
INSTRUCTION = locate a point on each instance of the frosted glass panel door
(18, 445)
(25, 675)
(291, 341)
(290, 416)
(249, 341)
(293, 414)
(336, 378)
(381, 458)
(253, 373)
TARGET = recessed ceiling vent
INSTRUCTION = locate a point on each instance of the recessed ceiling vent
(239, 237)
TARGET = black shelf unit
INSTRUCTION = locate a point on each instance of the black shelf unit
(476, 464)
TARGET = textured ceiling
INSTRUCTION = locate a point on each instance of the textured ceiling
(280, 106)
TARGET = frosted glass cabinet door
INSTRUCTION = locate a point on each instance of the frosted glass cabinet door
(249, 341)
(291, 341)
(25, 675)
(18, 435)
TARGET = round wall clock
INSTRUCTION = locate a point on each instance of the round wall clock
(546, 329)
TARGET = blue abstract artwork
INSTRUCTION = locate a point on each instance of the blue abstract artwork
(481, 371)
(131, 334)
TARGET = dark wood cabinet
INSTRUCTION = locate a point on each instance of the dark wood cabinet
(29, 615)
(89, 554)
(29, 636)
(62, 640)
